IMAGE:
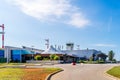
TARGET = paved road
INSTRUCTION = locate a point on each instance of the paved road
(83, 72)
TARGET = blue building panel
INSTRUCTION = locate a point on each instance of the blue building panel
(16, 55)
(1, 53)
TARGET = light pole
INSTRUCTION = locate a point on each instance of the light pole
(32, 52)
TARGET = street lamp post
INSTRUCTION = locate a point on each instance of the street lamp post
(32, 53)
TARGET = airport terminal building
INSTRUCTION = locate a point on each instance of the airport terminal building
(15, 54)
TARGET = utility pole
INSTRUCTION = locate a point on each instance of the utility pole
(2, 26)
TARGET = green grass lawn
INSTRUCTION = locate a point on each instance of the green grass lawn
(11, 74)
(115, 71)
(25, 73)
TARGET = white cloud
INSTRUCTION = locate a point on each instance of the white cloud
(105, 45)
(78, 20)
(52, 10)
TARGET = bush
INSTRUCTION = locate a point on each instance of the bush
(114, 60)
(45, 58)
(56, 57)
(81, 61)
(38, 57)
(101, 61)
(91, 58)
(52, 56)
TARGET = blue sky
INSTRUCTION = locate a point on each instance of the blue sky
(91, 24)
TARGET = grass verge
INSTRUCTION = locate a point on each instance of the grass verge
(115, 71)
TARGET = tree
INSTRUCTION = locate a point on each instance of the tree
(56, 57)
(38, 57)
(111, 55)
(52, 56)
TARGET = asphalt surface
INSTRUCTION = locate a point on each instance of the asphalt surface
(83, 72)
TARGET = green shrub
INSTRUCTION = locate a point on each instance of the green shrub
(38, 57)
(114, 60)
(91, 58)
(46, 59)
(101, 61)
(81, 61)
(52, 56)
(56, 57)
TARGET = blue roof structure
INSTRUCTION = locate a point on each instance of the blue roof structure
(83, 53)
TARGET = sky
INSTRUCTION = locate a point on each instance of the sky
(92, 24)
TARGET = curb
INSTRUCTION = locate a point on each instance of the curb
(50, 75)
(110, 76)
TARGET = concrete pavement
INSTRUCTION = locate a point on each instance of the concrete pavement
(83, 72)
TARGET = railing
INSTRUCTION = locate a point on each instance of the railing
(48, 62)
